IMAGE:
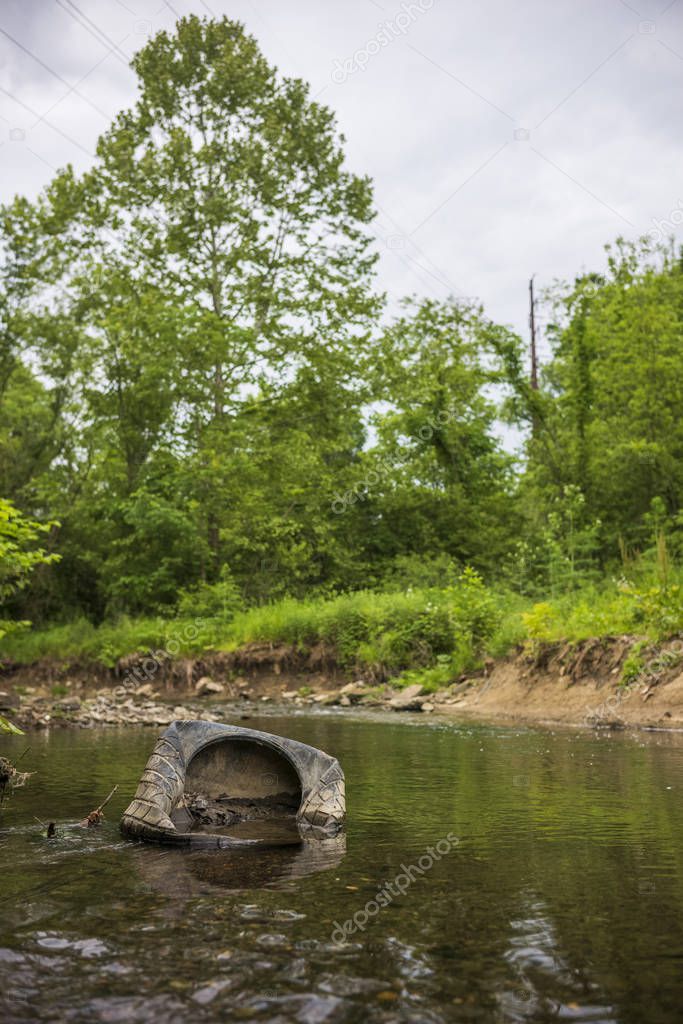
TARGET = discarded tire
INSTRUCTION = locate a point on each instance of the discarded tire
(247, 772)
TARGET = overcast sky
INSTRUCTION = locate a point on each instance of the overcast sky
(503, 138)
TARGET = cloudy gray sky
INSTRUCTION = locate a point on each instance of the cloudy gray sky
(503, 139)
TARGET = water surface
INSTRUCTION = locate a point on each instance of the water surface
(560, 896)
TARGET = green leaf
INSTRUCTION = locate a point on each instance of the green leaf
(10, 727)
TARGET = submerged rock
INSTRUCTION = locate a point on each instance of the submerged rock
(410, 699)
(206, 686)
(354, 691)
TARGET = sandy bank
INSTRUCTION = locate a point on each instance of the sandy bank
(614, 682)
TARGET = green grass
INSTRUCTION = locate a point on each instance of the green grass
(430, 635)
(387, 631)
(81, 641)
(649, 607)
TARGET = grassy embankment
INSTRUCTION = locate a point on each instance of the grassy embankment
(425, 634)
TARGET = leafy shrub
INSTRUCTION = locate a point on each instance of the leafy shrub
(511, 631)
(632, 667)
(420, 571)
(430, 679)
(657, 610)
(347, 625)
(445, 629)
(220, 600)
(439, 632)
(475, 610)
(541, 621)
(394, 630)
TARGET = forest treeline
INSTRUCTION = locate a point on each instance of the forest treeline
(201, 390)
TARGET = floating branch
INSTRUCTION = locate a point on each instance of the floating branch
(10, 778)
(95, 817)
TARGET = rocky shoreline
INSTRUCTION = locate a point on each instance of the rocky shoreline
(585, 684)
(209, 700)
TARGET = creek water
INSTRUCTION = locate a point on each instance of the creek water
(558, 896)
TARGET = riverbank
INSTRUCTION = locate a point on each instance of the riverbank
(614, 682)
(603, 654)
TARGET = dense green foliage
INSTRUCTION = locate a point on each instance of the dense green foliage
(199, 382)
(429, 635)
(386, 632)
(604, 479)
(19, 556)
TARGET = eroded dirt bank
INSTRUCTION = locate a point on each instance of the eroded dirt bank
(614, 682)
(608, 683)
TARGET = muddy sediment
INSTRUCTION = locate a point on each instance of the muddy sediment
(223, 810)
(613, 682)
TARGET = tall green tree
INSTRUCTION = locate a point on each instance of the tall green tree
(216, 258)
(225, 188)
(613, 391)
(438, 478)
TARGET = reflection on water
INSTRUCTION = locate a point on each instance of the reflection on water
(561, 900)
(180, 873)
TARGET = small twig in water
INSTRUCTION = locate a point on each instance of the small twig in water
(50, 828)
